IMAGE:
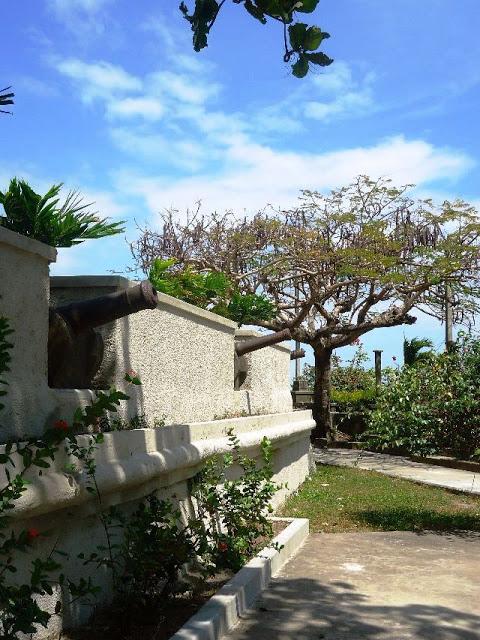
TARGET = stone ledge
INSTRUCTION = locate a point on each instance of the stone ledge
(80, 282)
(23, 243)
(130, 459)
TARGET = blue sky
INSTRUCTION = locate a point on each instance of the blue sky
(112, 101)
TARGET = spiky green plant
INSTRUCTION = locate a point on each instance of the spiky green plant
(6, 98)
(44, 218)
(412, 350)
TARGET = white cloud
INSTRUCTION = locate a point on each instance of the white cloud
(99, 79)
(144, 107)
(104, 203)
(178, 152)
(83, 18)
(340, 95)
(254, 175)
(334, 79)
(182, 87)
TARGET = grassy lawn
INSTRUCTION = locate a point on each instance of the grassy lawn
(337, 499)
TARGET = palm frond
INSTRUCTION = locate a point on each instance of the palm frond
(44, 218)
(6, 99)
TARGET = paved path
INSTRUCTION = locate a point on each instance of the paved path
(375, 586)
(455, 479)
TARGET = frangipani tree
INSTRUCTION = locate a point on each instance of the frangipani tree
(336, 266)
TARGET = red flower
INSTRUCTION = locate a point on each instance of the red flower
(32, 534)
(132, 373)
(61, 424)
(222, 546)
(356, 341)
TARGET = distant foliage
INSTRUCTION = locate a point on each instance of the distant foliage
(433, 406)
(413, 350)
(209, 290)
(348, 378)
(44, 218)
(301, 42)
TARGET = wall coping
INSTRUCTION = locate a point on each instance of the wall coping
(252, 333)
(28, 245)
(128, 459)
(186, 308)
(57, 282)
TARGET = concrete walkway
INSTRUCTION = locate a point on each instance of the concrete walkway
(380, 586)
(400, 467)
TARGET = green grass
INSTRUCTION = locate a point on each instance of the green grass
(338, 499)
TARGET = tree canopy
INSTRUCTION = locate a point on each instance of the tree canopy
(336, 266)
(301, 42)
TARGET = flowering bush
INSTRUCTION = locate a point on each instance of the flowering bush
(431, 407)
(232, 514)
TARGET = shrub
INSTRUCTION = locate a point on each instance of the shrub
(357, 400)
(232, 514)
(431, 407)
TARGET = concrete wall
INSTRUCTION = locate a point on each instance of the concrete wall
(24, 291)
(185, 358)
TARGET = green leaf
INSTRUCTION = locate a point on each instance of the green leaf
(313, 38)
(297, 34)
(300, 68)
(319, 58)
(255, 11)
(306, 6)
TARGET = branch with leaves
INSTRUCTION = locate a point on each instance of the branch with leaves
(301, 41)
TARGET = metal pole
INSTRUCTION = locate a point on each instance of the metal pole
(298, 362)
(378, 367)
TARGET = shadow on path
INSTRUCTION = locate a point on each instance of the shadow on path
(306, 609)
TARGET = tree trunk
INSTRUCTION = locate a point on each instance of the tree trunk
(321, 395)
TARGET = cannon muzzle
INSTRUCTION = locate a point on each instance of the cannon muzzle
(75, 350)
(297, 353)
(253, 344)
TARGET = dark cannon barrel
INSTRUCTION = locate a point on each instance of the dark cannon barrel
(75, 350)
(253, 344)
(88, 314)
(297, 353)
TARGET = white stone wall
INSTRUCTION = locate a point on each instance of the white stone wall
(24, 290)
(185, 357)
(267, 386)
